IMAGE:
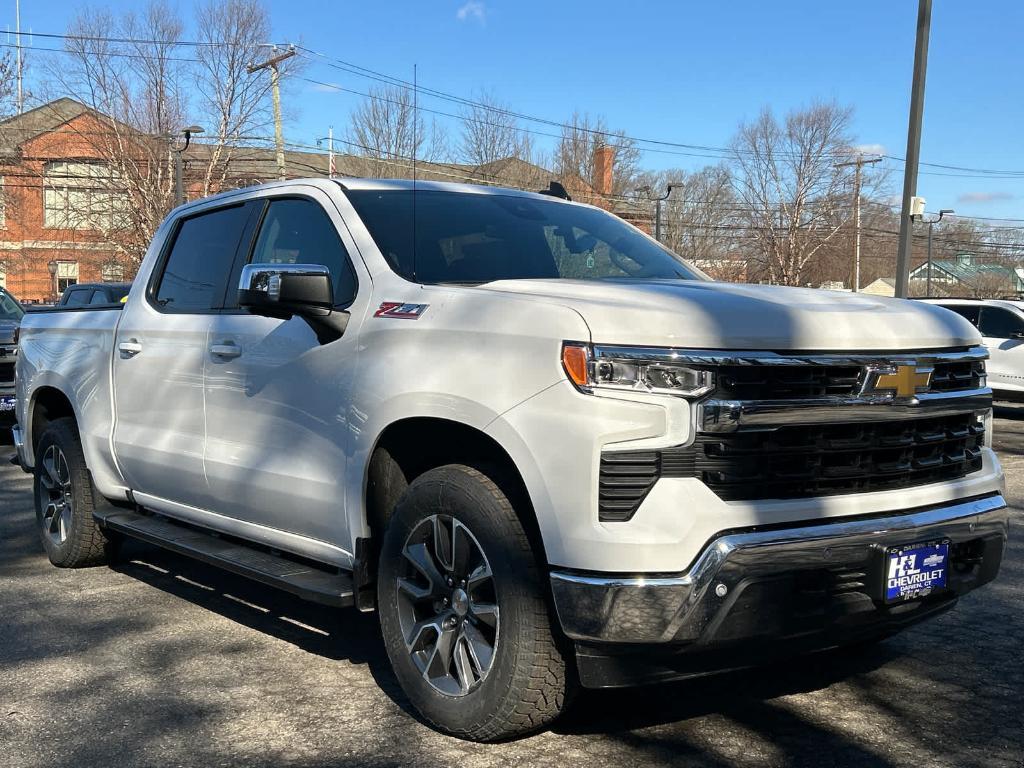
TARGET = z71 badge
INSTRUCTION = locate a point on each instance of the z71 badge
(400, 311)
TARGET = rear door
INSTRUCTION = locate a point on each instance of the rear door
(276, 399)
(1003, 331)
(159, 352)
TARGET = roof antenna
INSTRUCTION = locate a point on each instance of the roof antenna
(415, 152)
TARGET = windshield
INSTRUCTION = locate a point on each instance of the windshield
(10, 309)
(477, 238)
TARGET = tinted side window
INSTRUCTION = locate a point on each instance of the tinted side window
(297, 231)
(101, 297)
(199, 264)
(966, 310)
(1000, 323)
(79, 297)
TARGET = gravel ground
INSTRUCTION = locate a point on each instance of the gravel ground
(165, 662)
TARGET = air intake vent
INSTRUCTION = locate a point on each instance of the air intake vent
(626, 478)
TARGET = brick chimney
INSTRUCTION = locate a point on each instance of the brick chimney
(604, 163)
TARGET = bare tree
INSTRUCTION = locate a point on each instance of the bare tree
(388, 131)
(233, 100)
(490, 132)
(581, 137)
(143, 87)
(793, 194)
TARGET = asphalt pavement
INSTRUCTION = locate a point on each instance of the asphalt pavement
(161, 661)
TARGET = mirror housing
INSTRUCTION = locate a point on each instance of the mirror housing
(283, 290)
(286, 290)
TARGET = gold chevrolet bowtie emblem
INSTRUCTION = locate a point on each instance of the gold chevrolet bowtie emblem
(904, 380)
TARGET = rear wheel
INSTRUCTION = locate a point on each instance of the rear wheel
(64, 499)
(463, 613)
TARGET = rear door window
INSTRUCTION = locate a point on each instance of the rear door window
(999, 323)
(198, 267)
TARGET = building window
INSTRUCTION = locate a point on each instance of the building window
(80, 195)
(67, 274)
(112, 272)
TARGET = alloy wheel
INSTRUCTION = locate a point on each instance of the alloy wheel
(55, 497)
(447, 605)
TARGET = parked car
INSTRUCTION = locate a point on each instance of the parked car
(1001, 324)
(11, 313)
(544, 448)
(89, 294)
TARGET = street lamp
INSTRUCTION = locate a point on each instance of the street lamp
(51, 265)
(646, 188)
(931, 223)
(179, 185)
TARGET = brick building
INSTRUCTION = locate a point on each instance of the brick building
(54, 193)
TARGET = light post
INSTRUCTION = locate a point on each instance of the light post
(931, 223)
(179, 184)
(657, 204)
(51, 265)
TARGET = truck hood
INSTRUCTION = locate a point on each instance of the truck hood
(712, 315)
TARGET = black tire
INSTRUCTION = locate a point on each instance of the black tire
(65, 500)
(526, 683)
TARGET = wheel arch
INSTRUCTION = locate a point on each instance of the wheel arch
(47, 404)
(408, 447)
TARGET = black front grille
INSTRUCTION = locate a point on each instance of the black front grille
(785, 382)
(6, 372)
(956, 376)
(800, 461)
(796, 382)
(818, 460)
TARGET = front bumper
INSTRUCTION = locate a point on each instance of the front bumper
(783, 582)
(19, 446)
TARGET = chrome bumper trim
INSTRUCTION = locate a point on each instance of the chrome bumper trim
(762, 357)
(678, 608)
(734, 415)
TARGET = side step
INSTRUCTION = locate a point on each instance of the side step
(305, 581)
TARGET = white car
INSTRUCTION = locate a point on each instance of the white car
(1001, 323)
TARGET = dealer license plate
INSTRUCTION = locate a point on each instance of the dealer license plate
(916, 570)
(7, 403)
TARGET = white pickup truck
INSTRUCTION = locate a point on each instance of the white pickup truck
(545, 449)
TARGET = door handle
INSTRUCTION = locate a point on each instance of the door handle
(129, 348)
(228, 349)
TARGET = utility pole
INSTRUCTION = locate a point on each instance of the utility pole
(17, 48)
(859, 163)
(924, 21)
(931, 223)
(275, 86)
(330, 152)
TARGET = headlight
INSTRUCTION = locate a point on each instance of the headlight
(632, 372)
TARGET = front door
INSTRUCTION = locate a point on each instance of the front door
(276, 399)
(159, 352)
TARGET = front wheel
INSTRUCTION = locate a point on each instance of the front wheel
(463, 613)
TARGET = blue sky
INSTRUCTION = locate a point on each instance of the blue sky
(682, 71)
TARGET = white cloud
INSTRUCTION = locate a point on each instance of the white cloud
(983, 197)
(869, 149)
(471, 9)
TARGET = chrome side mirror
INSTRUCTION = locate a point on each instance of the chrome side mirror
(287, 290)
(283, 290)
